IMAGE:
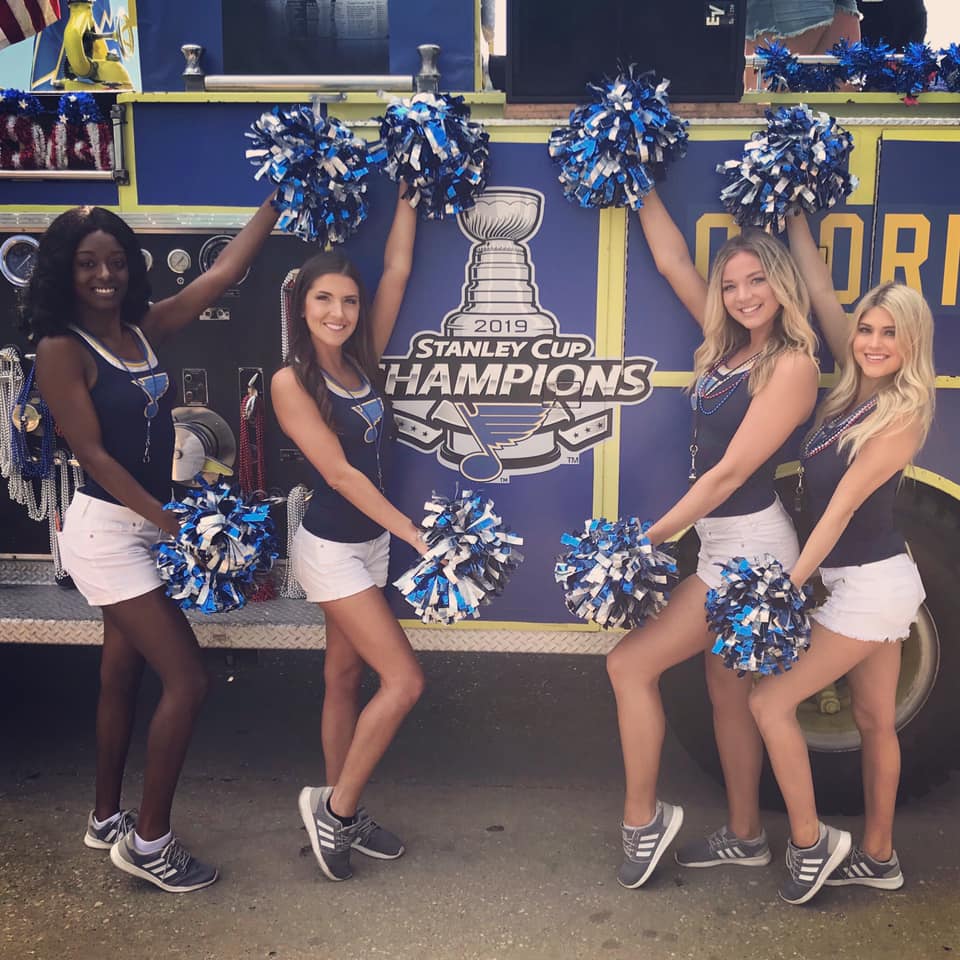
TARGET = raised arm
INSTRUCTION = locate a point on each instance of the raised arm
(833, 319)
(300, 420)
(172, 314)
(880, 458)
(784, 403)
(397, 264)
(672, 256)
(62, 381)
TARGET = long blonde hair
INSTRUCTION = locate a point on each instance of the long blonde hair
(722, 335)
(910, 395)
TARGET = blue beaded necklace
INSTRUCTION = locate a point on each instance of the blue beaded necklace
(712, 391)
(826, 435)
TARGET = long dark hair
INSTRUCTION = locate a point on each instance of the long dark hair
(49, 304)
(359, 347)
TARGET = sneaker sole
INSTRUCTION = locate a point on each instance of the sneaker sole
(761, 861)
(376, 854)
(668, 836)
(94, 844)
(836, 858)
(878, 883)
(306, 805)
(141, 874)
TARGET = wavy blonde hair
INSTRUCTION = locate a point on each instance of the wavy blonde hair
(722, 335)
(910, 395)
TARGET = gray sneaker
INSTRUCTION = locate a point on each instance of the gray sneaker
(172, 869)
(103, 838)
(644, 846)
(860, 868)
(809, 867)
(331, 840)
(724, 847)
(373, 840)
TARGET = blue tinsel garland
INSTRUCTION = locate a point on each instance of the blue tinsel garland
(320, 168)
(609, 151)
(800, 159)
(78, 108)
(613, 575)
(224, 542)
(430, 142)
(18, 102)
(759, 617)
(471, 556)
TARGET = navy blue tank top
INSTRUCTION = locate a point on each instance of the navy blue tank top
(129, 395)
(358, 416)
(871, 534)
(714, 431)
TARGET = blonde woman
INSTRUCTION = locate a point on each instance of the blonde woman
(755, 383)
(867, 430)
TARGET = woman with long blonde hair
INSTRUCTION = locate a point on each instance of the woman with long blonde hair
(755, 383)
(867, 430)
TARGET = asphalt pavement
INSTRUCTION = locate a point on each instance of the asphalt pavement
(505, 784)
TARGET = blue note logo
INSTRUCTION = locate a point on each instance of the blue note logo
(371, 412)
(499, 391)
(154, 386)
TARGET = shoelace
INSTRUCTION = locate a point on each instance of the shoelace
(795, 860)
(718, 840)
(126, 823)
(631, 842)
(176, 855)
(365, 825)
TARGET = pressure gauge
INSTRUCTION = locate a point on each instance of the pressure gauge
(18, 257)
(179, 261)
(211, 250)
(147, 259)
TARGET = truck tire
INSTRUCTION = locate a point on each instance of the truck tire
(928, 710)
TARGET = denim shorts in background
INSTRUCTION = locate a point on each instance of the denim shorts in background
(787, 18)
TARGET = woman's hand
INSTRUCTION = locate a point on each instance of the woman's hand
(415, 538)
(169, 523)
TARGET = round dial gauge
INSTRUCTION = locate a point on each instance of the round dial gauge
(147, 259)
(211, 250)
(18, 257)
(179, 261)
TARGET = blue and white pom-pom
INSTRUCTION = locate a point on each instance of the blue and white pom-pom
(471, 556)
(799, 160)
(608, 152)
(78, 108)
(759, 617)
(430, 142)
(320, 167)
(613, 575)
(949, 69)
(224, 542)
(869, 64)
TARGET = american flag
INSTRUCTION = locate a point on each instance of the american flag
(20, 19)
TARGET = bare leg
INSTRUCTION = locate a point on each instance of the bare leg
(373, 632)
(873, 687)
(634, 667)
(774, 703)
(739, 745)
(121, 670)
(342, 672)
(159, 632)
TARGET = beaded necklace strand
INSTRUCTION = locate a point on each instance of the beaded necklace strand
(714, 388)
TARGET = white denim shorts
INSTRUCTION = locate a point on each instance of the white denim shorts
(875, 601)
(330, 570)
(105, 547)
(750, 535)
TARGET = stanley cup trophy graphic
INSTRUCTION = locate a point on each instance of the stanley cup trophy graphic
(495, 432)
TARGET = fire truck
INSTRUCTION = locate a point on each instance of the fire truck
(538, 354)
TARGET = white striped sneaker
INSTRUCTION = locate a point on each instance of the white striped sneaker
(860, 868)
(172, 869)
(103, 838)
(724, 847)
(809, 867)
(644, 846)
(330, 838)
